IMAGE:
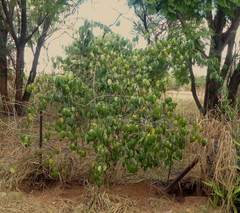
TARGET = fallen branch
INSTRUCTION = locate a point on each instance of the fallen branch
(184, 172)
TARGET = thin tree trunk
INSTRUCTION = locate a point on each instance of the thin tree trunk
(4, 70)
(19, 80)
(229, 58)
(193, 89)
(33, 71)
(212, 96)
(233, 85)
(20, 44)
(3, 84)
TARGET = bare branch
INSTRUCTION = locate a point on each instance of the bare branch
(115, 20)
(36, 28)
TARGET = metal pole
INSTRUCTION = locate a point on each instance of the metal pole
(41, 137)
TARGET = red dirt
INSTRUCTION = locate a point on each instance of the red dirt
(144, 195)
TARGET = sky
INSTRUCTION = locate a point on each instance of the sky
(104, 11)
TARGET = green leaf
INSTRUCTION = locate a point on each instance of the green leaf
(237, 143)
(118, 23)
(236, 191)
(12, 170)
(208, 183)
(235, 210)
(218, 192)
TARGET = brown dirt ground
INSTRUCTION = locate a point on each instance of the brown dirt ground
(130, 197)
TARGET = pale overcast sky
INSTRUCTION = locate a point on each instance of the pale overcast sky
(104, 11)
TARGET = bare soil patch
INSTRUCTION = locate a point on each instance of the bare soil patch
(130, 197)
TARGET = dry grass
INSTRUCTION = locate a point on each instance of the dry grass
(20, 165)
(91, 201)
(185, 103)
(218, 161)
(88, 199)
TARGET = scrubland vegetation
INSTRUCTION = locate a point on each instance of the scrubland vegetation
(113, 126)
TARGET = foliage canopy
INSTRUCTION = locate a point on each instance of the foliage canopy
(114, 97)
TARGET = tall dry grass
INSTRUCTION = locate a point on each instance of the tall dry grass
(20, 165)
(218, 159)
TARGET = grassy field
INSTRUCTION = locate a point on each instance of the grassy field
(20, 172)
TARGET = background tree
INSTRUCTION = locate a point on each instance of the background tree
(3, 65)
(151, 24)
(27, 22)
(204, 25)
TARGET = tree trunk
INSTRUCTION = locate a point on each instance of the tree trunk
(212, 95)
(33, 71)
(4, 70)
(233, 85)
(213, 99)
(193, 88)
(3, 84)
(19, 80)
(20, 44)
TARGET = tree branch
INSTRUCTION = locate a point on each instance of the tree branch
(36, 28)
(3, 18)
(40, 42)
(115, 20)
(9, 21)
(181, 18)
(228, 59)
(209, 15)
(193, 88)
(233, 85)
(23, 22)
(219, 22)
(229, 34)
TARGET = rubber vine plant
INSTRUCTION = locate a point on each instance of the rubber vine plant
(113, 97)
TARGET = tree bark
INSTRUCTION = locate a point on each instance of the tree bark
(212, 98)
(4, 69)
(233, 85)
(193, 89)
(143, 17)
(19, 79)
(4, 84)
(21, 43)
(33, 71)
(14, 16)
(229, 58)
(212, 95)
